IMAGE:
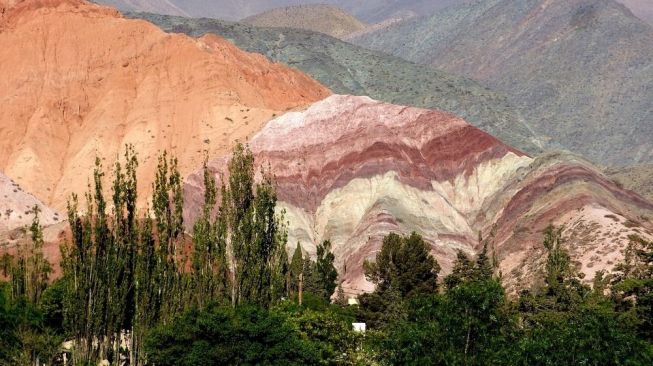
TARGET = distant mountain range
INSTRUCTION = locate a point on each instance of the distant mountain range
(370, 11)
(80, 82)
(349, 69)
(325, 19)
(580, 71)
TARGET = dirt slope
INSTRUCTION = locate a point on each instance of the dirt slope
(16, 206)
(642, 9)
(638, 178)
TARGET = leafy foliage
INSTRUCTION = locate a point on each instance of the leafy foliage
(125, 274)
(225, 336)
(325, 271)
(24, 337)
(405, 264)
(633, 286)
(403, 269)
(30, 270)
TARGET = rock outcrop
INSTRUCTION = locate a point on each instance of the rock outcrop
(81, 81)
(351, 170)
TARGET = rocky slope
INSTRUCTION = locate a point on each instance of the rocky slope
(319, 18)
(348, 69)
(638, 178)
(351, 169)
(371, 11)
(580, 70)
(80, 81)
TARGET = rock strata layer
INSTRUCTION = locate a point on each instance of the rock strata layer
(351, 170)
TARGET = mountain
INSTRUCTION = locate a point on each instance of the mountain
(581, 71)
(319, 18)
(371, 11)
(638, 178)
(79, 81)
(350, 169)
(642, 9)
(348, 69)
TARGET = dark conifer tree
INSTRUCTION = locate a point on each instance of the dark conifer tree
(404, 263)
(326, 271)
(296, 269)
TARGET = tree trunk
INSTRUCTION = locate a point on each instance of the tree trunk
(301, 288)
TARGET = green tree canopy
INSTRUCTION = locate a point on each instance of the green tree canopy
(226, 336)
(404, 263)
(325, 270)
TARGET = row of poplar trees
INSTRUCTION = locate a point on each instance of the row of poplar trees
(124, 273)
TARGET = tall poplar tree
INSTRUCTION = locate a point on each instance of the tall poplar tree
(30, 271)
(209, 263)
(257, 234)
(296, 269)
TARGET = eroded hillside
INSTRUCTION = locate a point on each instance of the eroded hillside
(80, 81)
(351, 169)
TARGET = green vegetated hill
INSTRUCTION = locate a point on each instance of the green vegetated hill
(320, 18)
(580, 71)
(348, 69)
